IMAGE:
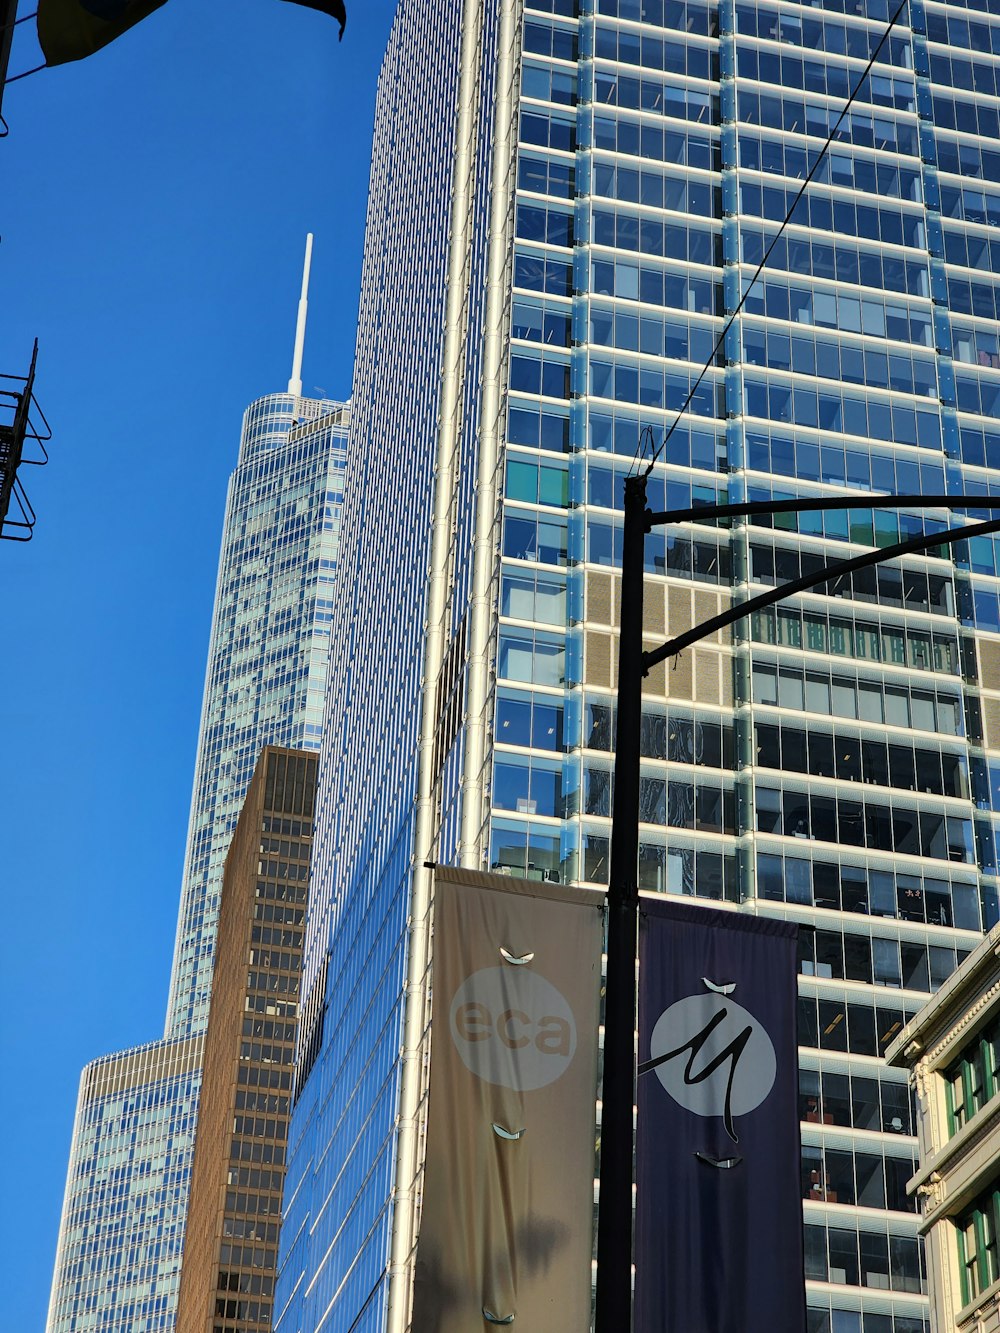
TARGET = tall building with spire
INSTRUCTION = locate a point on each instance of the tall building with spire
(122, 1230)
(270, 641)
(595, 184)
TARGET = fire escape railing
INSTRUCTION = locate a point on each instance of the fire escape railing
(26, 424)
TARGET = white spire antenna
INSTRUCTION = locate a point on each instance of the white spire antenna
(295, 383)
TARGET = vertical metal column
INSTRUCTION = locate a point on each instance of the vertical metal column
(614, 1222)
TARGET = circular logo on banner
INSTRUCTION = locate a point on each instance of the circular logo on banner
(513, 1028)
(714, 1057)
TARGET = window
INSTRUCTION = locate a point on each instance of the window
(533, 659)
(872, 1181)
(972, 1079)
(977, 1244)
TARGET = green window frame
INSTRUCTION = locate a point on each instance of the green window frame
(991, 1047)
(974, 1078)
(977, 1230)
(956, 1099)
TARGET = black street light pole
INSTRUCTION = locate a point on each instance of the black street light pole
(614, 1220)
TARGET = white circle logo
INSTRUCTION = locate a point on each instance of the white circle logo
(712, 1057)
(513, 1028)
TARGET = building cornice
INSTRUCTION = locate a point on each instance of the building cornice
(942, 1019)
(956, 1035)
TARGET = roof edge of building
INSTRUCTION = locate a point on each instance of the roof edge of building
(937, 1017)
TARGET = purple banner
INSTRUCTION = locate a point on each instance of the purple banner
(718, 1243)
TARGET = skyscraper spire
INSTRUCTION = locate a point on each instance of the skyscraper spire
(272, 696)
(295, 383)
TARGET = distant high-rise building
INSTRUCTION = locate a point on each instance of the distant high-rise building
(234, 1214)
(546, 273)
(122, 1231)
(270, 645)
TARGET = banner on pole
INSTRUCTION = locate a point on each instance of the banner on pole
(72, 29)
(718, 1244)
(506, 1227)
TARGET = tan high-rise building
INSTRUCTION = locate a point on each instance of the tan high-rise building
(230, 1253)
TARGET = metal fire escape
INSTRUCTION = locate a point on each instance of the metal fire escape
(21, 419)
(25, 423)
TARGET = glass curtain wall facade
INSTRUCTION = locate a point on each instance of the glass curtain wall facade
(336, 1229)
(836, 761)
(122, 1232)
(122, 1229)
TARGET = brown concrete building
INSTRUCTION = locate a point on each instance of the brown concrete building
(231, 1245)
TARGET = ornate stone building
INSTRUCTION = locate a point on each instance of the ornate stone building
(952, 1048)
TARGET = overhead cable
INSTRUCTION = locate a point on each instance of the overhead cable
(767, 253)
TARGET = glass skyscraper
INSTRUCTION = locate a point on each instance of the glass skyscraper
(596, 183)
(270, 646)
(122, 1232)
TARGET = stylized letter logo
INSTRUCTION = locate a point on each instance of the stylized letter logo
(513, 1028)
(712, 1057)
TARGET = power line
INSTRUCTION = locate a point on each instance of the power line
(767, 253)
(14, 77)
(23, 19)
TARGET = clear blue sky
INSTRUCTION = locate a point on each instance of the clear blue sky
(154, 201)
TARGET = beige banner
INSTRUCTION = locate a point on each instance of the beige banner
(506, 1228)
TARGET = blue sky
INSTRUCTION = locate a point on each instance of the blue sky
(154, 201)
